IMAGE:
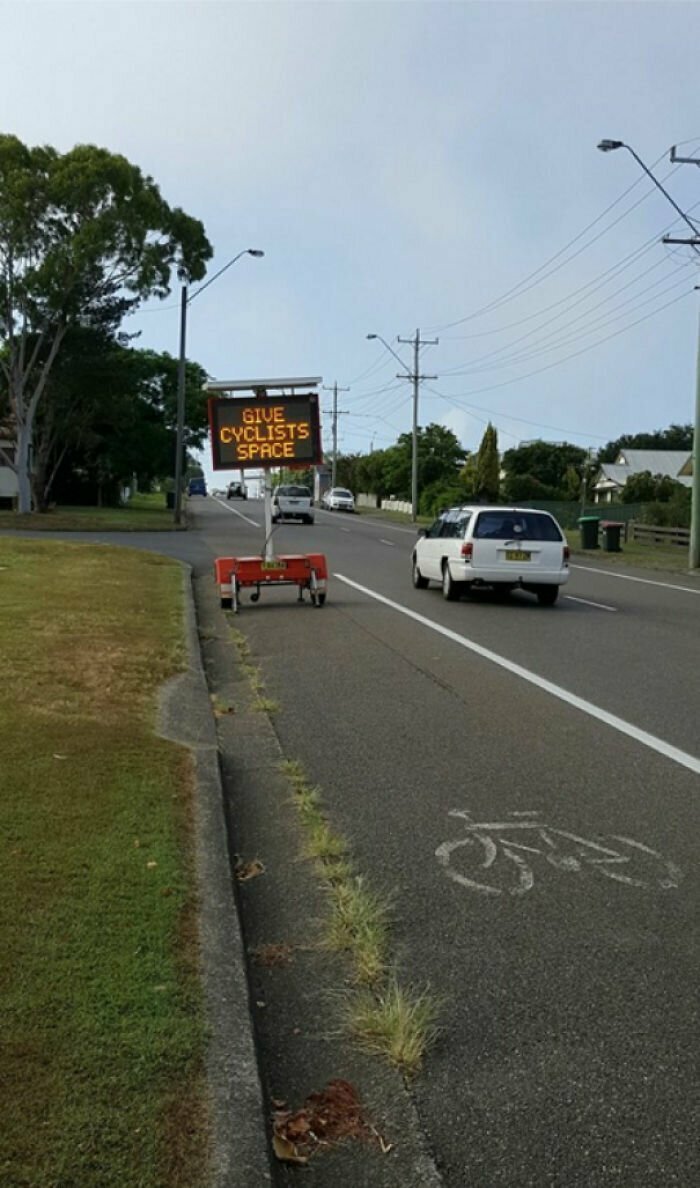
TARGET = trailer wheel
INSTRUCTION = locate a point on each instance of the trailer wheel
(320, 598)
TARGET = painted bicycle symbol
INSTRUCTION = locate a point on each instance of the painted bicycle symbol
(501, 851)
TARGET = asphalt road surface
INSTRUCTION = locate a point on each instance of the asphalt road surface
(524, 781)
(540, 838)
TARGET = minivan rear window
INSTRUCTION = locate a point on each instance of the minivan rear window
(295, 492)
(508, 525)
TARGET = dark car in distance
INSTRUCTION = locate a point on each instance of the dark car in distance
(236, 491)
(197, 486)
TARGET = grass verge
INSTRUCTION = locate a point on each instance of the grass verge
(143, 513)
(101, 1049)
(669, 558)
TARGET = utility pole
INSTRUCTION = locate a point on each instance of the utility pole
(416, 377)
(694, 551)
(336, 413)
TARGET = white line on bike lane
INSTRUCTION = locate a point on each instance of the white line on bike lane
(648, 740)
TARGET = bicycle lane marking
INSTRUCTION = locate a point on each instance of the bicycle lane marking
(691, 762)
(591, 853)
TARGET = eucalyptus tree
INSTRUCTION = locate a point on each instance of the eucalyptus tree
(84, 237)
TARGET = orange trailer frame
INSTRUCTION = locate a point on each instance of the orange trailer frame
(306, 571)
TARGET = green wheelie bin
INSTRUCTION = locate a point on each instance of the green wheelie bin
(589, 531)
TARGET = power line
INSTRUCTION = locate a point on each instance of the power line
(524, 287)
(575, 354)
(581, 332)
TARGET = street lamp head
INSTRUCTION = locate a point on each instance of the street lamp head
(255, 252)
(608, 146)
(371, 335)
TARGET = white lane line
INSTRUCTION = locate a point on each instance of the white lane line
(626, 577)
(587, 601)
(345, 529)
(586, 707)
(390, 543)
(236, 512)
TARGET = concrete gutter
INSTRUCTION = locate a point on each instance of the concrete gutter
(238, 1145)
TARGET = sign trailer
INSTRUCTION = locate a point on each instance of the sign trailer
(261, 432)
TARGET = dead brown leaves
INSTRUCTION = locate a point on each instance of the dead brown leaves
(248, 870)
(326, 1118)
(273, 955)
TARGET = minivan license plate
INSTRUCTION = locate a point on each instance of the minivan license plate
(517, 555)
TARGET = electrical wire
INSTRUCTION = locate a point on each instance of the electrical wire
(628, 307)
(524, 286)
(527, 375)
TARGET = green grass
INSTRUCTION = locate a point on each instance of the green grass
(394, 1021)
(671, 558)
(397, 1024)
(101, 1048)
(143, 513)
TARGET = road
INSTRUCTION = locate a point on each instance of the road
(570, 1031)
(524, 781)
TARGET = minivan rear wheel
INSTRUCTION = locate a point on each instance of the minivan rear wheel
(547, 595)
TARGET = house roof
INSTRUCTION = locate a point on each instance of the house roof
(610, 473)
(686, 469)
(675, 464)
(666, 462)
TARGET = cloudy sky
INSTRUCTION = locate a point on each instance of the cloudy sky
(405, 165)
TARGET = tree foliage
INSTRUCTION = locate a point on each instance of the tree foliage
(488, 466)
(646, 487)
(544, 465)
(676, 437)
(110, 413)
(84, 237)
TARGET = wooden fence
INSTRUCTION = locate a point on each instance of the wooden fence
(654, 535)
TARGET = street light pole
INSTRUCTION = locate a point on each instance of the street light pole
(180, 431)
(608, 146)
(186, 300)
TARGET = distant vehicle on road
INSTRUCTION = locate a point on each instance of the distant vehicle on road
(292, 502)
(338, 499)
(197, 486)
(236, 491)
(503, 547)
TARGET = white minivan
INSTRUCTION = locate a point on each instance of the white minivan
(503, 547)
(292, 502)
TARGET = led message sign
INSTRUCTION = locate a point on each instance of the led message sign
(263, 431)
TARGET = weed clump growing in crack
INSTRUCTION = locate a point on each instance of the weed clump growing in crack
(399, 1024)
(386, 1018)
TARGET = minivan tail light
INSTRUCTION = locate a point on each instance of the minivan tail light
(567, 553)
(467, 549)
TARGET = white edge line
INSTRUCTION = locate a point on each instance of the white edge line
(587, 601)
(627, 577)
(390, 543)
(586, 707)
(236, 512)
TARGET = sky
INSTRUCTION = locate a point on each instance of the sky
(405, 166)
